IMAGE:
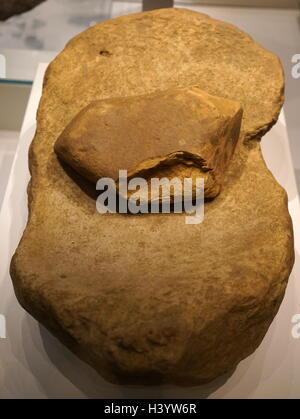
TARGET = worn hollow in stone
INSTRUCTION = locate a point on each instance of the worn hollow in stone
(146, 298)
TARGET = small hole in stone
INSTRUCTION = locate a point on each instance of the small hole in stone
(105, 53)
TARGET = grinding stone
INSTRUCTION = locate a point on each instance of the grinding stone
(184, 133)
(149, 299)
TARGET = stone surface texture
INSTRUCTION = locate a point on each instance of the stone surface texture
(149, 299)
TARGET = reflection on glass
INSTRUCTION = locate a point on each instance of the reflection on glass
(51, 24)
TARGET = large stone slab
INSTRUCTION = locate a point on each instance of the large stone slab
(149, 299)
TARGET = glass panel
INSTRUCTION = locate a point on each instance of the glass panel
(243, 3)
(39, 34)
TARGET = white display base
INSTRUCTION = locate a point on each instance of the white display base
(33, 364)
